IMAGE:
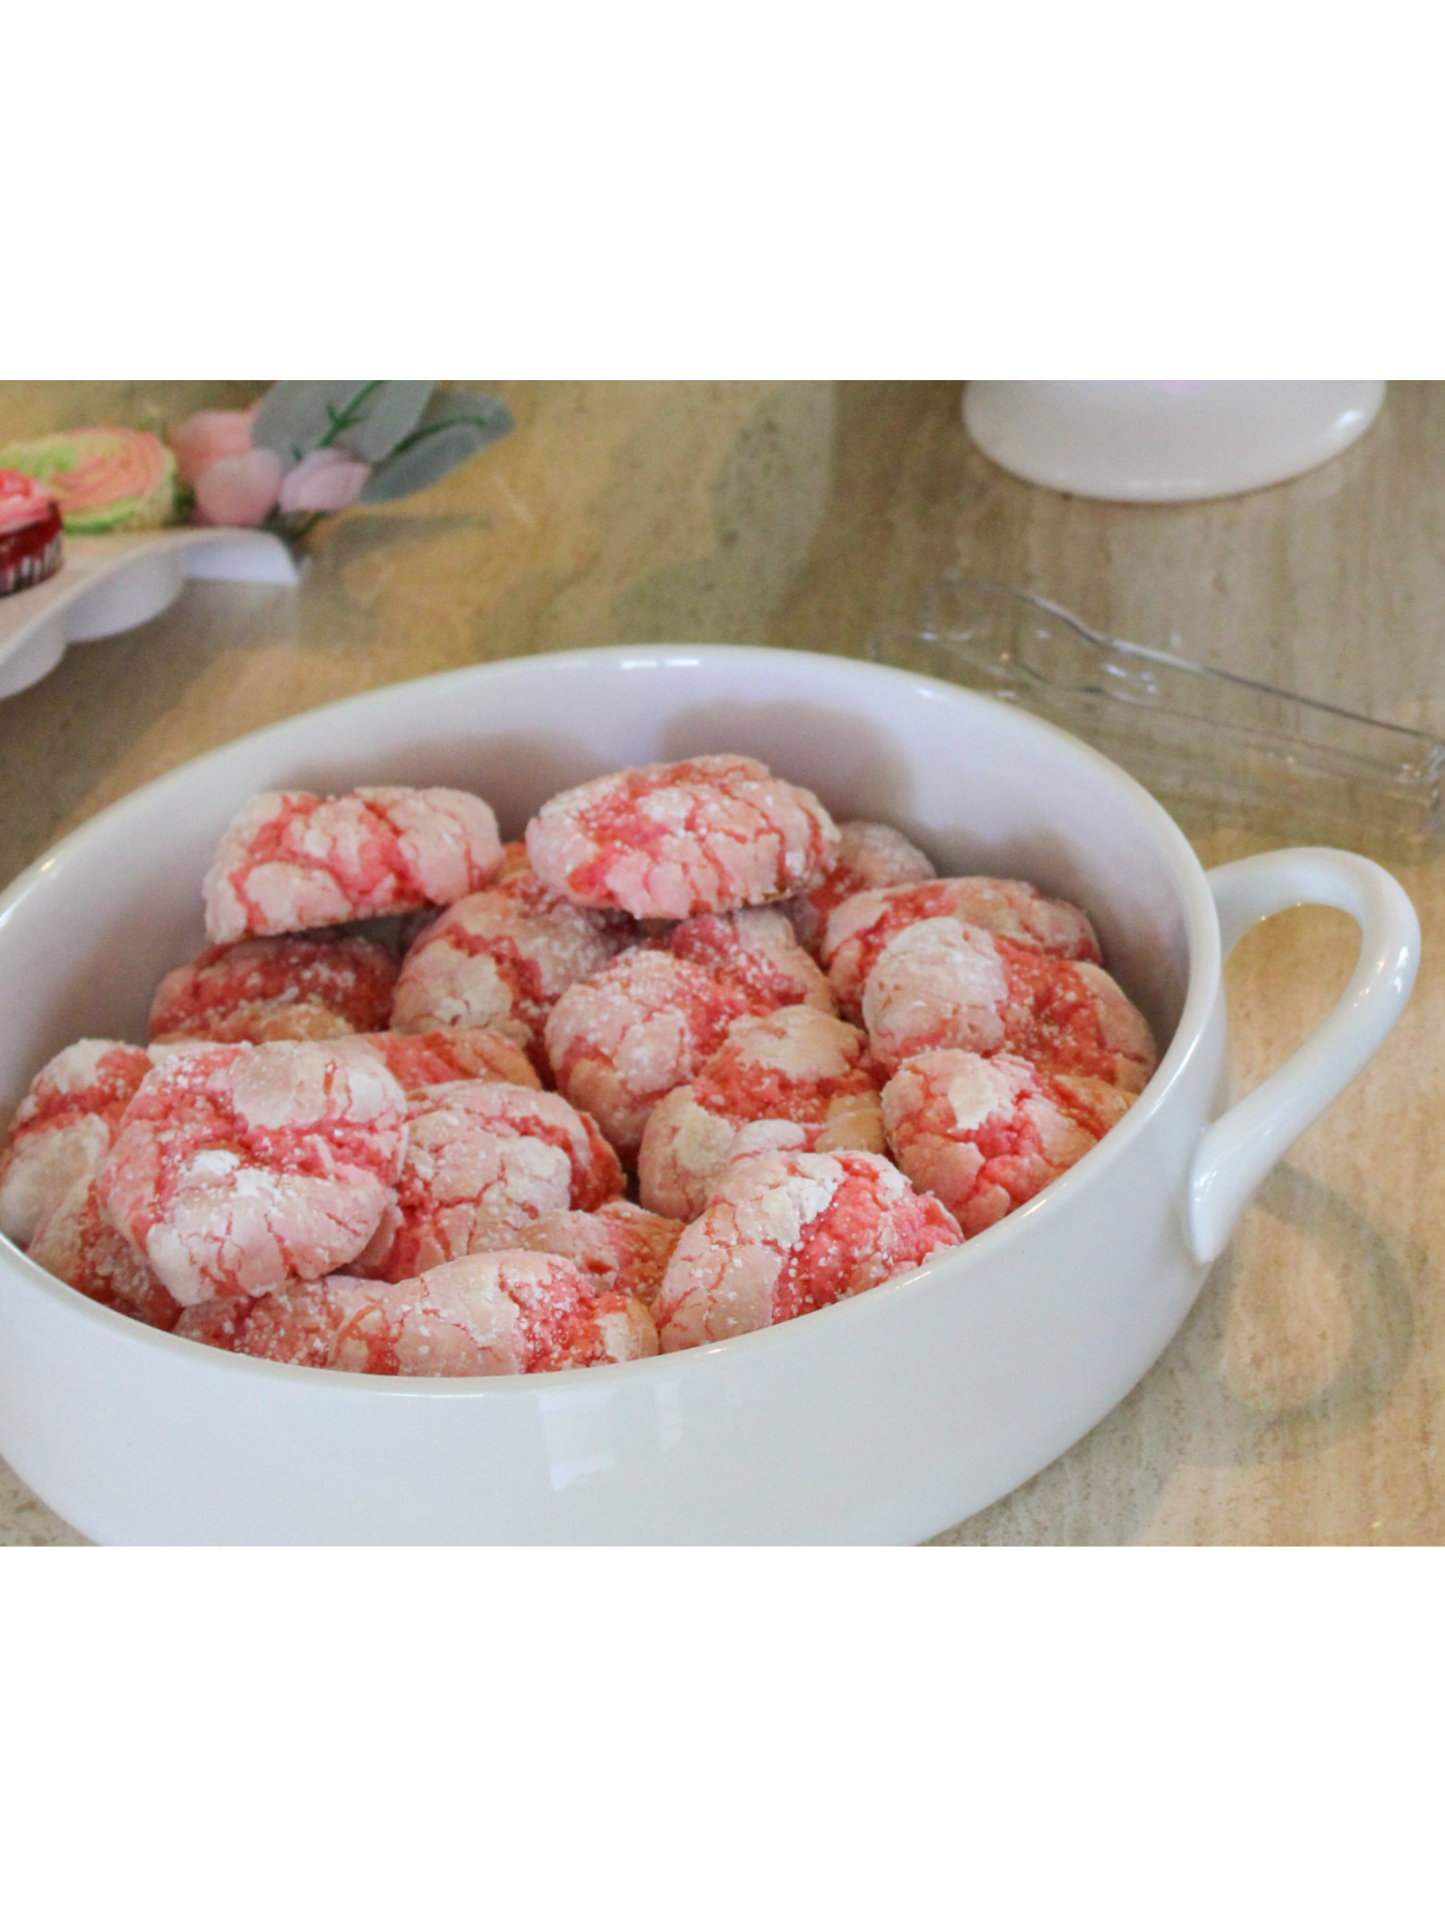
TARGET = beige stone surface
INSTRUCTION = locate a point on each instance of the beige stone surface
(1300, 1404)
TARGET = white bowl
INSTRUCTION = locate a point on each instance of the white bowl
(884, 1418)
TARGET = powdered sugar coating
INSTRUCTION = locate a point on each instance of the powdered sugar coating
(77, 1243)
(758, 952)
(783, 1235)
(483, 1162)
(493, 1313)
(861, 925)
(871, 856)
(418, 1058)
(943, 985)
(620, 1247)
(239, 1168)
(985, 1135)
(268, 989)
(291, 860)
(634, 1032)
(679, 839)
(502, 957)
(64, 1126)
(797, 1065)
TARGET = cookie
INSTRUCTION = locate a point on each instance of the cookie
(239, 1168)
(291, 861)
(64, 1126)
(482, 1163)
(502, 957)
(620, 1246)
(77, 1243)
(416, 1059)
(679, 839)
(622, 1040)
(265, 990)
(795, 1065)
(787, 1234)
(943, 985)
(481, 1316)
(984, 1135)
(860, 926)
(757, 952)
(871, 856)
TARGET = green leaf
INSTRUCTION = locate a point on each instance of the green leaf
(368, 418)
(393, 413)
(453, 429)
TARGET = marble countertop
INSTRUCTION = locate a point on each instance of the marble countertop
(1300, 1403)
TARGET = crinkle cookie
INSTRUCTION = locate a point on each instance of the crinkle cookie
(291, 860)
(502, 958)
(796, 1065)
(620, 1247)
(678, 839)
(63, 1127)
(871, 856)
(942, 985)
(625, 1038)
(418, 1058)
(758, 952)
(862, 924)
(483, 1162)
(985, 1135)
(77, 1243)
(786, 1234)
(239, 1168)
(266, 990)
(491, 1313)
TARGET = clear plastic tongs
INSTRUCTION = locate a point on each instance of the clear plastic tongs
(1210, 744)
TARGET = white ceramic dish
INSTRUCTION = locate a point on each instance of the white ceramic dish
(1166, 441)
(887, 1417)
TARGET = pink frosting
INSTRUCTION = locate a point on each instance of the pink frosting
(22, 501)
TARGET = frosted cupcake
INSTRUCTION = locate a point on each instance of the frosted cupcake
(102, 479)
(30, 540)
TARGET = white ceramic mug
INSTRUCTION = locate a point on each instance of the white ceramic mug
(886, 1417)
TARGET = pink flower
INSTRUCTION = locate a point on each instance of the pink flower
(238, 491)
(325, 480)
(209, 437)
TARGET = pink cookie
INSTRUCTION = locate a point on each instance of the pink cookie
(862, 924)
(985, 1135)
(502, 958)
(243, 1167)
(678, 839)
(294, 861)
(515, 863)
(416, 1059)
(634, 1032)
(620, 1247)
(787, 1234)
(76, 1242)
(495, 1312)
(942, 985)
(871, 856)
(758, 953)
(483, 1162)
(64, 1126)
(796, 1065)
(266, 990)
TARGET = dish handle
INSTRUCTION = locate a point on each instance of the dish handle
(1239, 1149)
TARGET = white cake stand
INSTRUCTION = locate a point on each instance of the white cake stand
(109, 583)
